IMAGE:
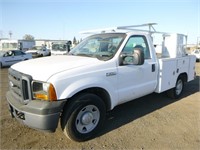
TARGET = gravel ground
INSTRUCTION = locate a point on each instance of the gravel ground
(150, 122)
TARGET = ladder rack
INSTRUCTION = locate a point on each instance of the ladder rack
(150, 25)
(150, 30)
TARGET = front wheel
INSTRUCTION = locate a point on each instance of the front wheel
(177, 90)
(83, 117)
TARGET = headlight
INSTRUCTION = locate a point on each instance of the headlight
(44, 91)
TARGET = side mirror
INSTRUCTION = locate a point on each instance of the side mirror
(137, 58)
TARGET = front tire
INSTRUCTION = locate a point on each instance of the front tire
(177, 91)
(83, 117)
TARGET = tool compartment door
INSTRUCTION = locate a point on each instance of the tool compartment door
(169, 70)
(167, 74)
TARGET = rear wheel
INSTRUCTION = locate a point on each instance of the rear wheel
(177, 90)
(83, 117)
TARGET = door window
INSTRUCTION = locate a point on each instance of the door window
(8, 54)
(18, 53)
(138, 41)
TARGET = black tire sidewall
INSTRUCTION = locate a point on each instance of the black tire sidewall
(76, 105)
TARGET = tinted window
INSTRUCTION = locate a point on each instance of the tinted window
(17, 53)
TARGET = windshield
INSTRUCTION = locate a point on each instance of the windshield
(36, 48)
(101, 46)
(59, 47)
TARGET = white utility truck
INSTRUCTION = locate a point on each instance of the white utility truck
(106, 69)
(60, 48)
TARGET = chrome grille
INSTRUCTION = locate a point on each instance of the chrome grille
(20, 86)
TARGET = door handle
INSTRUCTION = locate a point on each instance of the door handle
(153, 68)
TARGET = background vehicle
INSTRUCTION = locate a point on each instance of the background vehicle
(196, 52)
(39, 51)
(24, 45)
(60, 48)
(103, 71)
(8, 58)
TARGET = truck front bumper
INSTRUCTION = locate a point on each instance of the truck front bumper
(37, 114)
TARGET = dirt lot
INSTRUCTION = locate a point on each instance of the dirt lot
(151, 122)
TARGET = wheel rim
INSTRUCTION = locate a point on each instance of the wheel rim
(87, 119)
(179, 87)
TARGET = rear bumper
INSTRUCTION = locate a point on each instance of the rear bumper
(37, 114)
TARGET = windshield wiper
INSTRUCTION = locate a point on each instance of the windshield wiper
(83, 54)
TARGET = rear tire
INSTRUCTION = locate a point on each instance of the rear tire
(177, 91)
(83, 117)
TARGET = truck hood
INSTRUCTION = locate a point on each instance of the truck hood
(43, 68)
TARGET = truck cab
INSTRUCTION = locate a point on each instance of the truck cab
(104, 70)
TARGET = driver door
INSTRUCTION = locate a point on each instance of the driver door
(136, 80)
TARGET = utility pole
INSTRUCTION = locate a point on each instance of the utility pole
(198, 42)
(10, 34)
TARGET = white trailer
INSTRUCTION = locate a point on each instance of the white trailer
(7, 44)
(24, 45)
